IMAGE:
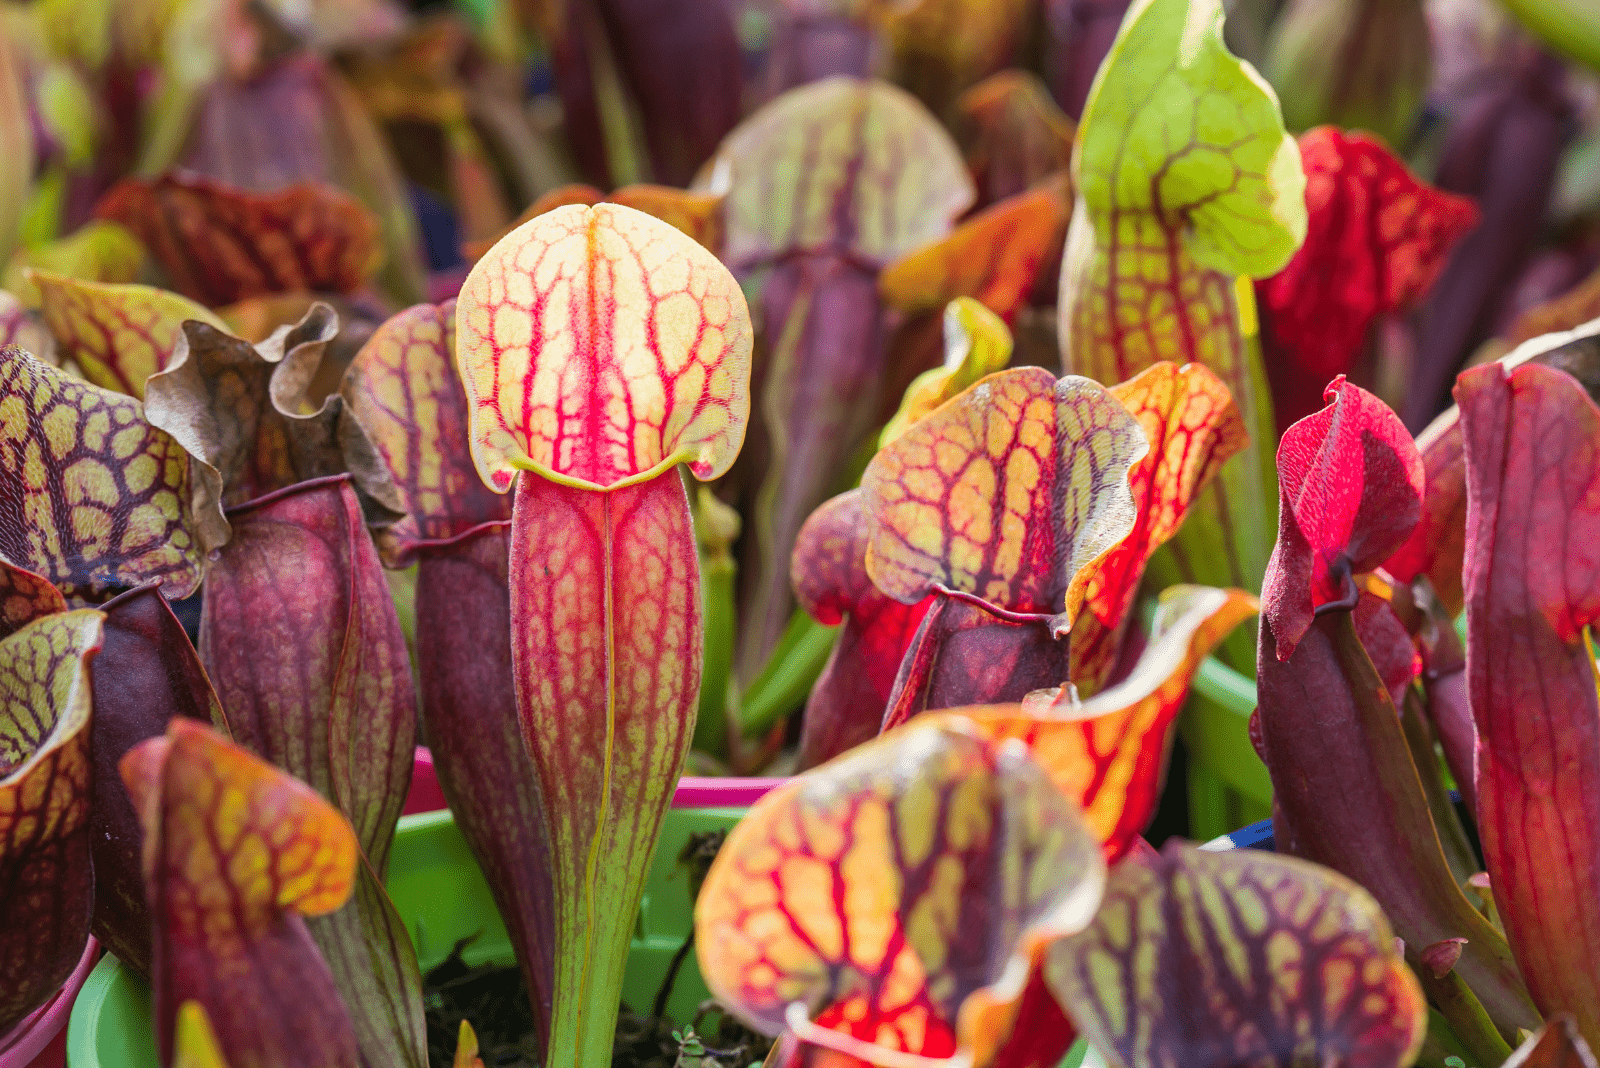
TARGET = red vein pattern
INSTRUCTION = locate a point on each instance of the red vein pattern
(606, 633)
(92, 497)
(1377, 239)
(220, 244)
(119, 335)
(25, 597)
(1532, 440)
(847, 166)
(1294, 964)
(236, 853)
(829, 573)
(299, 634)
(1350, 484)
(46, 884)
(403, 389)
(597, 344)
(1193, 427)
(1006, 493)
(896, 896)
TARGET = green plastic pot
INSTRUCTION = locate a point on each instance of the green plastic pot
(439, 890)
(1228, 784)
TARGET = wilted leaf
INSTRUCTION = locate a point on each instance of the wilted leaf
(404, 391)
(46, 884)
(1532, 442)
(91, 496)
(897, 896)
(119, 335)
(663, 377)
(1377, 239)
(1007, 494)
(219, 244)
(236, 852)
(1193, 427)
(1352, 489)
(244, 414)
(1295, 964)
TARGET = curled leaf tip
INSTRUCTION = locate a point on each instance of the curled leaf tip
(1007, 493)
(599, 346)
(1351, 484)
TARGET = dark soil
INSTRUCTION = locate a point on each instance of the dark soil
(494, 999)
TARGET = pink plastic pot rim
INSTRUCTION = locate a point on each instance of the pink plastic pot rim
(693, 791)
(29, 1038)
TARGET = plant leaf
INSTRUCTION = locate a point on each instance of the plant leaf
(219, 244)
(1532, 439)
(469, 715)
(299, 634)
(97, 251)
(245, 415)
(1186, 180)
(942, 47)
(120, 335)
(1296, 964)
(25, 597)
(1193, 427)
(822, 169)
(994, 256)
(976, 344)
(1327, 723)
(403, 389)
(92, 497)
(146, 673)
(16, 146)
(1109, 753)
(1555, 1045)
(1436, 547)
(606, 644)
(236, 853)
(829, 574)
(818, 201)
(664, 374)
(897, 896)
(1012, 134)
(1007, 493)
(1377, 239)
(20, 327)
(1351, 482)
(194, 1040)
(697, 214)
(46, 883)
